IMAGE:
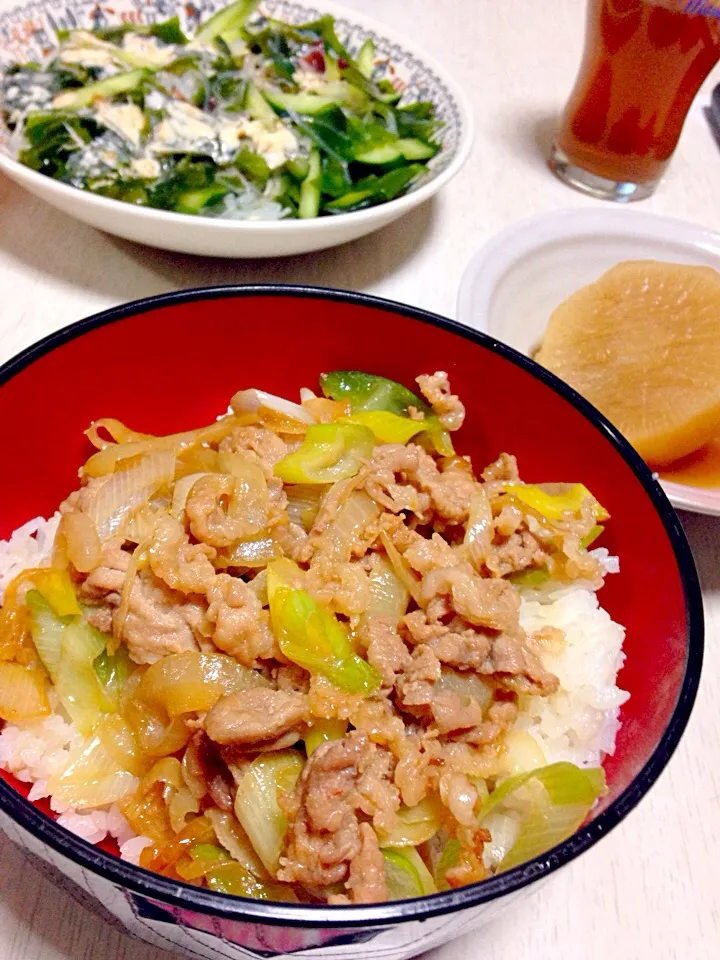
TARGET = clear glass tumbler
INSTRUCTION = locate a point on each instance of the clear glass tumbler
(644, 62)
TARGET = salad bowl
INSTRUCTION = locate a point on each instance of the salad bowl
(29, 33)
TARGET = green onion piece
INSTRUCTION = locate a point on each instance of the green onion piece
(68, 648)
(323, 731)
(387, 427)
(209, 851)
(330, 452)
(47, 630)
(406, 875)
(369, 392)
(56, 588)
(314, 638)
(568, 797)
(414, 825)
(552, 505)
(529, 578)
(596, 531)
(77, 683)
(448, 859)
(113, 672)
(257, 802)
(235, 880)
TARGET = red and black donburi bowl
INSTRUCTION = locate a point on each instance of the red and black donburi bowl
(172, 362)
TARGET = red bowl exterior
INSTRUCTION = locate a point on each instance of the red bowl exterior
(172, 363)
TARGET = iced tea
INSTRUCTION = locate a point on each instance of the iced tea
(643, 65)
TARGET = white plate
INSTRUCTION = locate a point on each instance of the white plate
(27, 32)
(513, 283)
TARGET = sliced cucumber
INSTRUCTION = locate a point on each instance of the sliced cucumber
(193, 201)
(226, 23)
(309, 104)
(413, 149)
(298, 167)
(350, 201)
(257, 106)
(309, 205)
(79, 97)
(366, 58)
(385, 153)
(407, 148)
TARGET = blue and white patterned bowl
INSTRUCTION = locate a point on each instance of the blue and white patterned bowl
(28, 32)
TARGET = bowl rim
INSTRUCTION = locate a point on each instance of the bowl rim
(20, 173)
(158, 888)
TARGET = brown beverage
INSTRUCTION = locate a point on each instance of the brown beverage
(643, 65)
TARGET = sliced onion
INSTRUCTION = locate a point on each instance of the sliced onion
(173, 441)
(479, 530)
(180, 805)
(254, 552)
(402, 568)
(137, 561)
(119, 496)
(237, 843)
(119, 741)
(388, 594)
(147, 815)
(251, 499)
(82, 544)
(199, 830)
(166, 771)
(119, 433)
(522, 753)
(142, 525)
(92, 778)
(466, 685)
(304, 502)
(128, 443)
(181, 491)
(258, 585)
(23, 693)
(196, 459)
(157, 734)
(251, 401)
(324, 410)
(112, 456)
(186, 682)
(358, 511)
(406, 874)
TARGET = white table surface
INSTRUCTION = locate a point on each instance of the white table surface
(650, 889)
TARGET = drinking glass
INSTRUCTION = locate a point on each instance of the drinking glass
(644, 62)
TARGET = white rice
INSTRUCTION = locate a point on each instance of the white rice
(578, 723)
(41, 749)
(29, 546)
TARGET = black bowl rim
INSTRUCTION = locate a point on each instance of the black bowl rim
(166, 891)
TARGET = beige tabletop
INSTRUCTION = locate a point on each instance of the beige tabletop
(649, 890)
